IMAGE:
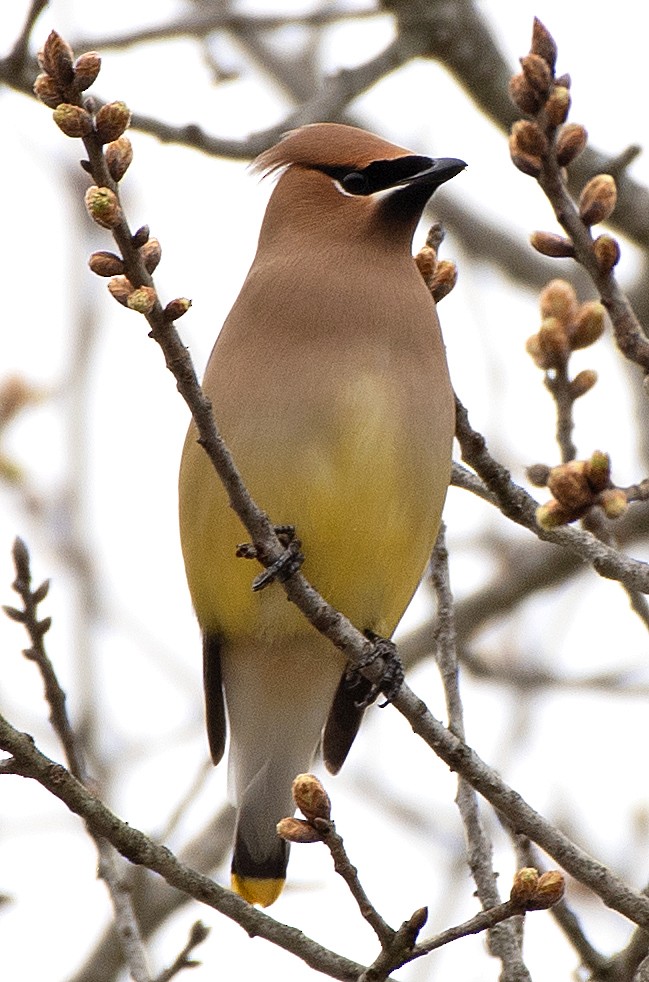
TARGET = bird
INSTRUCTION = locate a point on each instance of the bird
(330, 386)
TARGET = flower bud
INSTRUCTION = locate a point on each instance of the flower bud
(111, 121)
(543, 44)
(103, 206)
(588, 325)
(443, 280)
(176, 308)
(310, 797)
(121, 289)
(56, 59)
(86, 70)
(551, 515)
(297, 830)
(106, 264)
(598, 199)
(151, 254)
(549, 890)
(528, 138)
(537, 72)
(569, 485)
(523, 95)
(142, 300)
(571, 142)
(607, 252)
(614, 502)
(46, 89)
(72, 120)
(598, 470)
(559, 299)
(524, 885)
(118, 155)
(557, 106)
(551, 244)
(582, 383)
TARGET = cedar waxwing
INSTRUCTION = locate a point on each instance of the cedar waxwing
(330, 386)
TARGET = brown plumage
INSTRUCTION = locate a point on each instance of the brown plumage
(329, 383)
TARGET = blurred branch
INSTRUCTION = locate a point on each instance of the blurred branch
(505, 939)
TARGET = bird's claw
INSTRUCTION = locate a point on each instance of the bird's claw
(393, 674)
(288, 563)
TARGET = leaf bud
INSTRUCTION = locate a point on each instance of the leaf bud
(176, 308)
(121, 289)
(551, 515)
(151, 254)
(588, 325)
(103, 206)
(444, 279)
(297, 830)
(118, 155)
(524, 886)
(523, 95)
(543, 44)
(106, 264)
(549, 890)
(527, 163)
(56, 59)
(569, 485)
(559, 299)
(46, 89)
(426, 260)
(571, 142)
(614, 502)
(598, 199)
(598, 470)
(551, 244)
(527, 137)
(310, 797)
(557, 106)
(538, 474)
(72, 120)
(86, 70)
(537, 72)
(111, 121)
(140, 237)
(142, 300)
(607, 252)
(582, 383)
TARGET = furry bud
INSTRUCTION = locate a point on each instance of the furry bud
(524, 886)
(103, 206)
(142, 300)
(588, 325)
(607, 252)
(47, 90)
(311, 798)
(571, 142)
(598, 199)
(543, 44)
(106, 264)
(72, 120)
(86, 70)
(111, 121)
(557, 106)
(119, 155)
(523, 95)
(551, 244)
(297, 830)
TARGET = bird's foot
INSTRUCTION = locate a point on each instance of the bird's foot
(393, 674)
(284, 566)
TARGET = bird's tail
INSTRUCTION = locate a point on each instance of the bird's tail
(277, 704)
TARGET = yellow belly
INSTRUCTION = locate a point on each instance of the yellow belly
(364, 498)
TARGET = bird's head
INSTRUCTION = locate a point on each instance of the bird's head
(329, 165)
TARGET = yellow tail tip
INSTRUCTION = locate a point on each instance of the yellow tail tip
(256, 890)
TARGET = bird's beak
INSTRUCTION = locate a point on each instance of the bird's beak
(439, 171)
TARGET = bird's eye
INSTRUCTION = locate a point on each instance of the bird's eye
(355, 183)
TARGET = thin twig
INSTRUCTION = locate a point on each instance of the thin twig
(505, 941)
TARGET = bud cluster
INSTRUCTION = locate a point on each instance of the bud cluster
(539, 94)
(566, 325)
(578, 486)
(59, 86)
(439, 275)
(313, 801)
(537, 892)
